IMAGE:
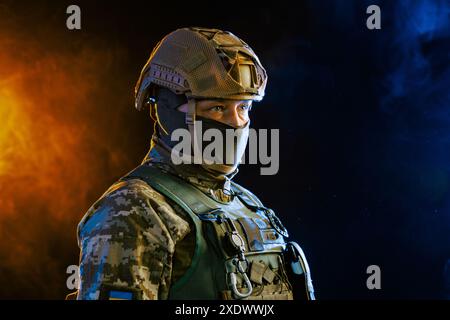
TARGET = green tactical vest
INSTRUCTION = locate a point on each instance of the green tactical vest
(215, 266)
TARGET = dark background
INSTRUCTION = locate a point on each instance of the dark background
(364, 124)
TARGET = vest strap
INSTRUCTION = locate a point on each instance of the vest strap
(190, 199)
(246, 197)
(185, 195)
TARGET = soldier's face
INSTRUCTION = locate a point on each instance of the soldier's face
(234, 113)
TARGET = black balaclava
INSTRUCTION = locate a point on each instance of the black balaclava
(169, 119)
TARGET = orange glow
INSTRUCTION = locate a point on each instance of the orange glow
(37, 141)
(12, 138)
(60, 148)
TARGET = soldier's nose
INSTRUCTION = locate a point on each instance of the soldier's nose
(233, 119)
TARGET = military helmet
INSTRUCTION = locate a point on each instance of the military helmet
(203, 63)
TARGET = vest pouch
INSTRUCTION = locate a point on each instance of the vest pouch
(298, 272)
(215, 230)
(268, 277)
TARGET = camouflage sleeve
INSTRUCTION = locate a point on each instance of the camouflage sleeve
(127, 241)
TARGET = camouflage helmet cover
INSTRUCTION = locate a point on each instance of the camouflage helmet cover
(203, 63)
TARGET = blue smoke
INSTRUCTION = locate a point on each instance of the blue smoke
(417, 101)
(368, 134)
(419, 59)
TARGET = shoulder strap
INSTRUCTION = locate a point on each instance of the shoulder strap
(248, 198)
(189, 198)
(182, 193)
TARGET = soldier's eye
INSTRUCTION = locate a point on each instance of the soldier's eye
(246, 107)
(217, 108)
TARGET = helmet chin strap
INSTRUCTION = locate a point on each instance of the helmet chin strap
(190, 121)
(190, 114)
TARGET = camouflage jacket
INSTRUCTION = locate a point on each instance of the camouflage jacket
(134, 240)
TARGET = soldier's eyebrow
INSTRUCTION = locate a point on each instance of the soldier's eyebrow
(225, 101)
(218, 100)
(210, 103)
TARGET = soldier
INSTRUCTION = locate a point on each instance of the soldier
(186, 231)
